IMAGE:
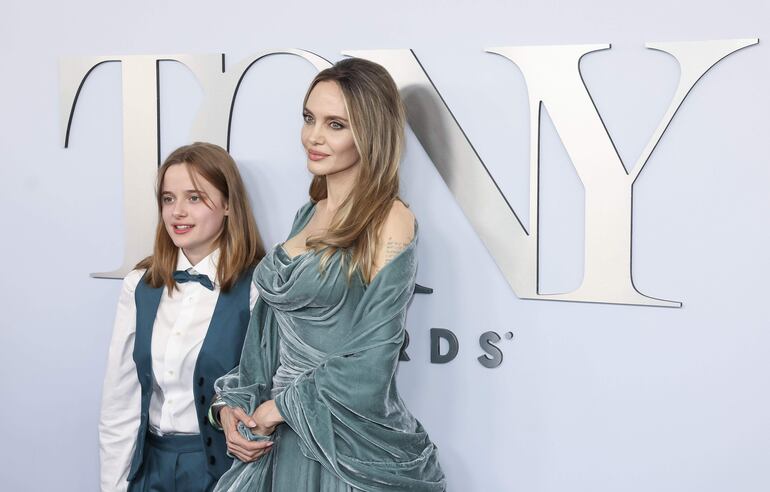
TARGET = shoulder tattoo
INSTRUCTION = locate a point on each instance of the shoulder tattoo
(393, 248)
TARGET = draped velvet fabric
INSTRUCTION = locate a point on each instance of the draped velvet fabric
(326, 348)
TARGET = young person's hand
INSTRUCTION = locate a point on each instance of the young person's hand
(239, 446)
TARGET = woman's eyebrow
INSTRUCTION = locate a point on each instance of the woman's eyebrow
(329, 117)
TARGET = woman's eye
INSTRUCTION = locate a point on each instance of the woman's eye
(167, 199)
(335, 125)
(308, 118)
(195, 198)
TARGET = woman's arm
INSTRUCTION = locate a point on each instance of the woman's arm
(121, 394)
(396, 234)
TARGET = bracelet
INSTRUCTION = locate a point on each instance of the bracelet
(213, 413)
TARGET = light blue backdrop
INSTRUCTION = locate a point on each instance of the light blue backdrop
(588, 397)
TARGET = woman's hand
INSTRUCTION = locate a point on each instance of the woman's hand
(239, 446)
(266, 418)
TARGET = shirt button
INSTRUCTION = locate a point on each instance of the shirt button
(178, 333)
(170, 373)
(170, 402)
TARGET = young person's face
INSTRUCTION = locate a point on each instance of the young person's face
(194, 217)
(326, 134)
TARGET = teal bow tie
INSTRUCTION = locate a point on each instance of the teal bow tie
(183, 276)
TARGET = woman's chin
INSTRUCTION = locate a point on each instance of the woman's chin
(318, 169)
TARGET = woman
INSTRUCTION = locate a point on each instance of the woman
(181, 320)
(317, 373)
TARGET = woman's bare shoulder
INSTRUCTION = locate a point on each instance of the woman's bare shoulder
(399, 224)
(396, 234)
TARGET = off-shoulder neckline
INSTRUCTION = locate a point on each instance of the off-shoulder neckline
(309, 213)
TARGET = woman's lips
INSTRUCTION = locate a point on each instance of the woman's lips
(316, 156)
(182, 228)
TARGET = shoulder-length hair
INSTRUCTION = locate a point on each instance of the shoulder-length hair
(377, 116)
(240, 245)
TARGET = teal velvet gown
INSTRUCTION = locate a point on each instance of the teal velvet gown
(326, 349)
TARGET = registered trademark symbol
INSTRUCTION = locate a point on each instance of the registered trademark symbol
(509, 335)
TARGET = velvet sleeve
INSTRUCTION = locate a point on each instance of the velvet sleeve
(247, 386)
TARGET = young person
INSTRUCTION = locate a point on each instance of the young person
(317, 373)
(180, 324)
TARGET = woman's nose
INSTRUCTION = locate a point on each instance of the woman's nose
(316, 135)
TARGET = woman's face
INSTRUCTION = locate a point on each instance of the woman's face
(194, 217)
(326, 134)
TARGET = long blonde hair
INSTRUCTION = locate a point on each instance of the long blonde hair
(240, 245)
(377, 116)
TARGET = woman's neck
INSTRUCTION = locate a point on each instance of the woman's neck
(339, 186)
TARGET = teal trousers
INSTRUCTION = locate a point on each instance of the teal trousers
(173, 463)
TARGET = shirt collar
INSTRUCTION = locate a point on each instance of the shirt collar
(207, 266)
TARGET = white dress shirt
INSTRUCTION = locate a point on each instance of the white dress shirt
(180, 327)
